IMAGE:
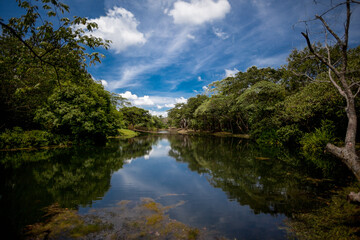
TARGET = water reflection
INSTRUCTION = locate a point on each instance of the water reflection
(228, 185)
(72, 177)
(266, 182)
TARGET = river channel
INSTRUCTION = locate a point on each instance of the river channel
(226, 185)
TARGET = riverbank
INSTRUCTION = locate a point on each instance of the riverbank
(218, 134)
(19, 141)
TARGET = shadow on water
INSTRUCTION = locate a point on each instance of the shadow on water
(267, 181)
(72, 177)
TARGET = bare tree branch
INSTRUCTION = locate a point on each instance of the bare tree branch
(320, 57)
(302, 75)
(358, 90)
(338, 39)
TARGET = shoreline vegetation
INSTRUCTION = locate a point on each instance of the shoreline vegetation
(18, 139)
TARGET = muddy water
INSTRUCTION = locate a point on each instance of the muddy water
(224, 185)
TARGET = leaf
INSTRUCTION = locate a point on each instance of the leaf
(51, 14)
(46, 7)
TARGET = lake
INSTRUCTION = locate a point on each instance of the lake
(225, 185)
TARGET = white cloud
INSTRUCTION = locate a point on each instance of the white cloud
(128, 95)
(144, 101)
(220, 34)
(120, 26)
(104, 83)
(171, 105)
(200, 79)
(157, 102)
(190, 36)
(205, 88)
(181, 100)
(230, 73)
(199, 11)
(165, 49)
(157, 113)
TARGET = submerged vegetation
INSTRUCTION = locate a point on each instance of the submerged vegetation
(336, 219)
(144, 219)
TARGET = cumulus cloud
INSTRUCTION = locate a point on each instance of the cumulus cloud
(120, 26)
(220, 34)
(230, 73)
(104, 83)
(155, 102)
(128, 95)
(144, 101)
(181, 100)
(197, 12)
(200, 79)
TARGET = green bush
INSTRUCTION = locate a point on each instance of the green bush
(268, 137)
(313, 146)
(17, 138)
(289, 134)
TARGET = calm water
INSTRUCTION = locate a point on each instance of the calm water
(228, 185)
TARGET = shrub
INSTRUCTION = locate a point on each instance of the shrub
(313, 146)
(289, 134)
(17, 138)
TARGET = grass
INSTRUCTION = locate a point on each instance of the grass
(126, 133)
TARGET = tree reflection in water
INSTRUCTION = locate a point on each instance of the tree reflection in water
(72, 177)
(270, 182)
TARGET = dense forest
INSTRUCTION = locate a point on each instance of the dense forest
(47, 95)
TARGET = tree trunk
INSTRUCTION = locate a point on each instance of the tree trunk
(348, 153)
(348, 157)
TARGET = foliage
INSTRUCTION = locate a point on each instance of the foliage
(126, 133)
(139, 118)
(36, 56)
(313, 145)
(278, 107)
(44, 81)
(18, 138)
(85, 114)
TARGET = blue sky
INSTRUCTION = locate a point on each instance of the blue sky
(165, 51)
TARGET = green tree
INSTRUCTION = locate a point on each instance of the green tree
(44, 81)
(84, 113)
(344, 78)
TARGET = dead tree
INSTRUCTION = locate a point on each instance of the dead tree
(347, 86)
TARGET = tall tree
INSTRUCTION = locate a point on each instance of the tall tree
(344, 79)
